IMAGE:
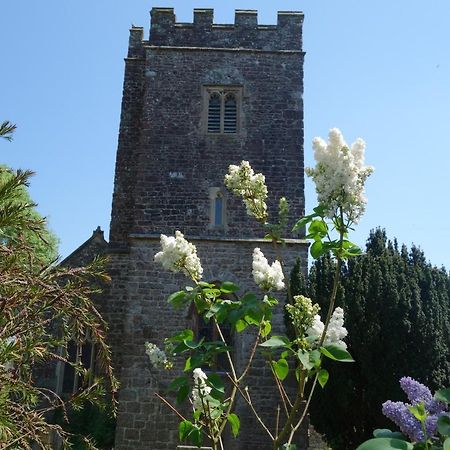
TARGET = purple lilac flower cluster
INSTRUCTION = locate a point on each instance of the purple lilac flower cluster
(400, 414)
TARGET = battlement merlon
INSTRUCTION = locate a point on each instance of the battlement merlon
(135, 49)
(244, 33)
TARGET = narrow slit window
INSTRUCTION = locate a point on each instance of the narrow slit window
(218, 210)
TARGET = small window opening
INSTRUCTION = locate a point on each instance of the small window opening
(83, 354)
(218, 209)
(223, 105)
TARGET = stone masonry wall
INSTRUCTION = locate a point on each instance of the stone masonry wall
(143, 421)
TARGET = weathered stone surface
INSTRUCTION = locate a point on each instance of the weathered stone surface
(167, 164)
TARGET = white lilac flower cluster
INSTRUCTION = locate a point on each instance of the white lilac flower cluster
(200, 391)
(242, 181)
(267, 277)
(302, 313)
(340, 175)
(179, 255)
(336, 331)
(158, 358)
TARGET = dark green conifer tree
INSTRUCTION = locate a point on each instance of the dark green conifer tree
(397, 309)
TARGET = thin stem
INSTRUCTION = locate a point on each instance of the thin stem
(234, 379)
(305, 410)
(230, 361)
(207, 411)
(290, 419)
(252, 354)
(280, 388)
(247, 398)
(277, 422)
(170, 406)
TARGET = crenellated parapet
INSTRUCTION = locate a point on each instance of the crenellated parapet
(245, 33)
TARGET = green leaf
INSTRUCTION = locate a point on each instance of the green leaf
(216, 382)
(195, 436)
(281, 368)
(323, 376)
(213, 310)
(418, 411)
(386, 433)
(319, 210)
(318, 227)
(288, 447)
(177, 383)
(316, 358)
(302, 222)
(337, 353)
(178, 299)
(192, 344)
(254, 317)
(184, 429)
(185, 335)
(192, 362)
(442, 395)
(227, 287)
(266, 328)
(269, 300)
(304, 358)
(276, 341)
(182, 393)
(249, 298)
(241, 325)
(385, 444)
(187, 364)
(235, 423)
(316, 249)
(447, 444)
(443, 424)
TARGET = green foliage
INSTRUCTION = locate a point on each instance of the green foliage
(396, 307)
(385, 444)
(91, 422)
(42, 308)
(6, 130)
(19, 219)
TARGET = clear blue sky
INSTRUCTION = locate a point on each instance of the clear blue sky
(379, 70)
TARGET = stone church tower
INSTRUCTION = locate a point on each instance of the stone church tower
(197, 97)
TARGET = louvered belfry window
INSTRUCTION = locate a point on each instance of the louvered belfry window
(230, 114)
(223, 110)
(214, 113)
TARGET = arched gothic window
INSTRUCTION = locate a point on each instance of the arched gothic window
(223, 106)
(218, 207)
